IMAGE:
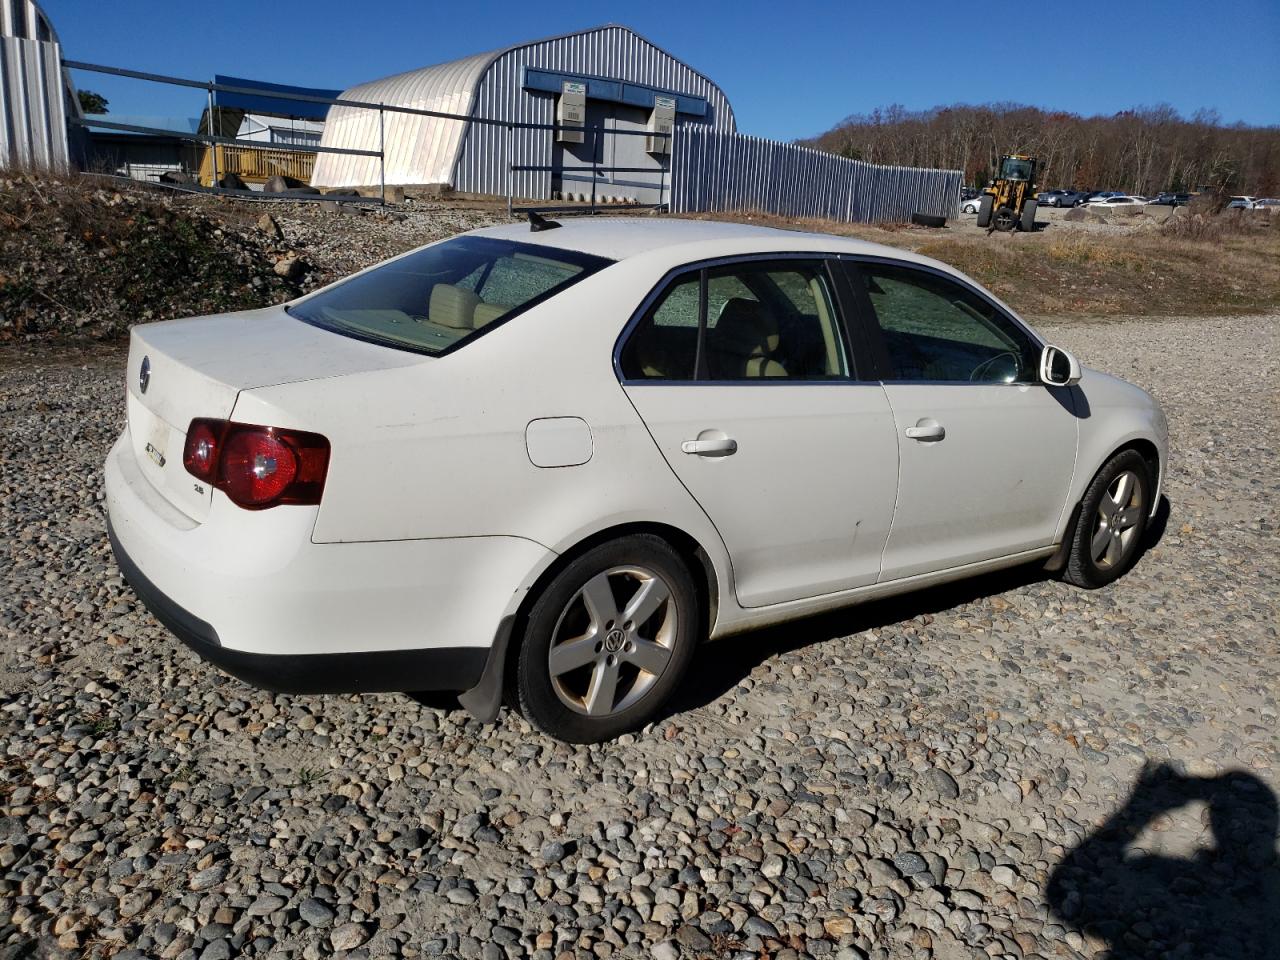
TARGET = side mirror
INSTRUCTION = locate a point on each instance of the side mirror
(1058, 368)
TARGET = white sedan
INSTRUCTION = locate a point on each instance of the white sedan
(1119, 200)
(555, 460)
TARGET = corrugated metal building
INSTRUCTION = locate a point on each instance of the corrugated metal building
(36, 96)
(608, 77)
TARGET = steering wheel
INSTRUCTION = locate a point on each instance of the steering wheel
(979, 374)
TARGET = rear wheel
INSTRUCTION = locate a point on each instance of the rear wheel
(1005, 219)
(1112, 522)
(608, 641)
(984, 210)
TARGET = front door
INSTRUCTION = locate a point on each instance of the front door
(742, 374)
(987, 452)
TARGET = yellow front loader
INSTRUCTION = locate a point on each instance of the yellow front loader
(1009, 202)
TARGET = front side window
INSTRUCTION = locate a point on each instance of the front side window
(935, 329)
(749, 321)
(434, 299)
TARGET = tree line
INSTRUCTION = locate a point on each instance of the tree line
(1142, 151)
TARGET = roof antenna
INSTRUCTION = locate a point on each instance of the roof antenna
(538, 223)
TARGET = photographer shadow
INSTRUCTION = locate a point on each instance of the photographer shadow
(1222, 901)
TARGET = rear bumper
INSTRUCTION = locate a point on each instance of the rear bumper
(438, 668)
(250, 592)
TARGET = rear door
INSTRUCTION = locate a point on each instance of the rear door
(986, 450)
(743, 373)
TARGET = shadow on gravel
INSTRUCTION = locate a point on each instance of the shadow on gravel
(1222, 902)
(718, 667)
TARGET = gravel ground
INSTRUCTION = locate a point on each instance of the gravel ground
(1004, 768)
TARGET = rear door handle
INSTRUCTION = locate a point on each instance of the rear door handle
(926, 431)
(722, 447)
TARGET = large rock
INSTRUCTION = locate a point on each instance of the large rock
(231, 181)
(1077, 215)
(279, 184)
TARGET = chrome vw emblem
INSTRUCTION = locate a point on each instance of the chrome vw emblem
(614, 639)
(144, 374)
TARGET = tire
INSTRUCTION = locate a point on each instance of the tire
(1098, 557)
(984, 210)
(1027, 222)
(1005, 219)
(581, 614)
(928, 220)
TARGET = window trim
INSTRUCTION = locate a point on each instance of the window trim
(840, 303)
(870, 324)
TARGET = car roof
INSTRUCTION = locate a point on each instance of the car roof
(620, 238)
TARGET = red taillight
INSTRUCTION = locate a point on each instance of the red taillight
(200, 455)
(257, 467)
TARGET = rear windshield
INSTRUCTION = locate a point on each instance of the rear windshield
(438, 298)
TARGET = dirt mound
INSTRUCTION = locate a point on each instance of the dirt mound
(80, 258)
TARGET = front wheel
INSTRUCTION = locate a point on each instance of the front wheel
(984, 210)
(608, 641)
(1112, 522)
(1005, 219)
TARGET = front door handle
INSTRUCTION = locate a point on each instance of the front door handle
(720, 447)
(926, 431)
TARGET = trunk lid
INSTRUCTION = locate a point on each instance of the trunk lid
(197, 368)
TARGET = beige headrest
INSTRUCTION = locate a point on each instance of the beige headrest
(453, 306)
(486, 313)
(746, 329)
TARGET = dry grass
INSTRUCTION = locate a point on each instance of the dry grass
(1202, 264)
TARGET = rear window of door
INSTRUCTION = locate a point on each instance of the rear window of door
(936, 330)
(747, 321)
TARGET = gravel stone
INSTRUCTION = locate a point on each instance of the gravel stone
(315, 912)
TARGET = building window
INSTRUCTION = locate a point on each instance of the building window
(304, 138)
(18, 18)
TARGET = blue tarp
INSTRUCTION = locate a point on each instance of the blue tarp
(266, 103)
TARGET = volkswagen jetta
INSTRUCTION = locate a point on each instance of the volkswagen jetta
(552, 461)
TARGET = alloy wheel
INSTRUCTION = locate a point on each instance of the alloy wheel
(613, 640)
(1116, 523)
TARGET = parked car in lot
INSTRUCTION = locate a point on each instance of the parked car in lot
(559, 459)
(1061, 198)
(1267, 203)
(1171, 199)
(1120, 200)
(971, 205)
(1242, 203)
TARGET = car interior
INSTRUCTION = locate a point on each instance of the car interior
(438, 296)
(934, 332)
(762, 324)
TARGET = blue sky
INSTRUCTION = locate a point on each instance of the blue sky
(790, 69)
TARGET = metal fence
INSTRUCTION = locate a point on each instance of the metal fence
(707, 170)
(255, 161)
(715, 171)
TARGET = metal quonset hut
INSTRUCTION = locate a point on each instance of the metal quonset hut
(36, 96)
(608, 77)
